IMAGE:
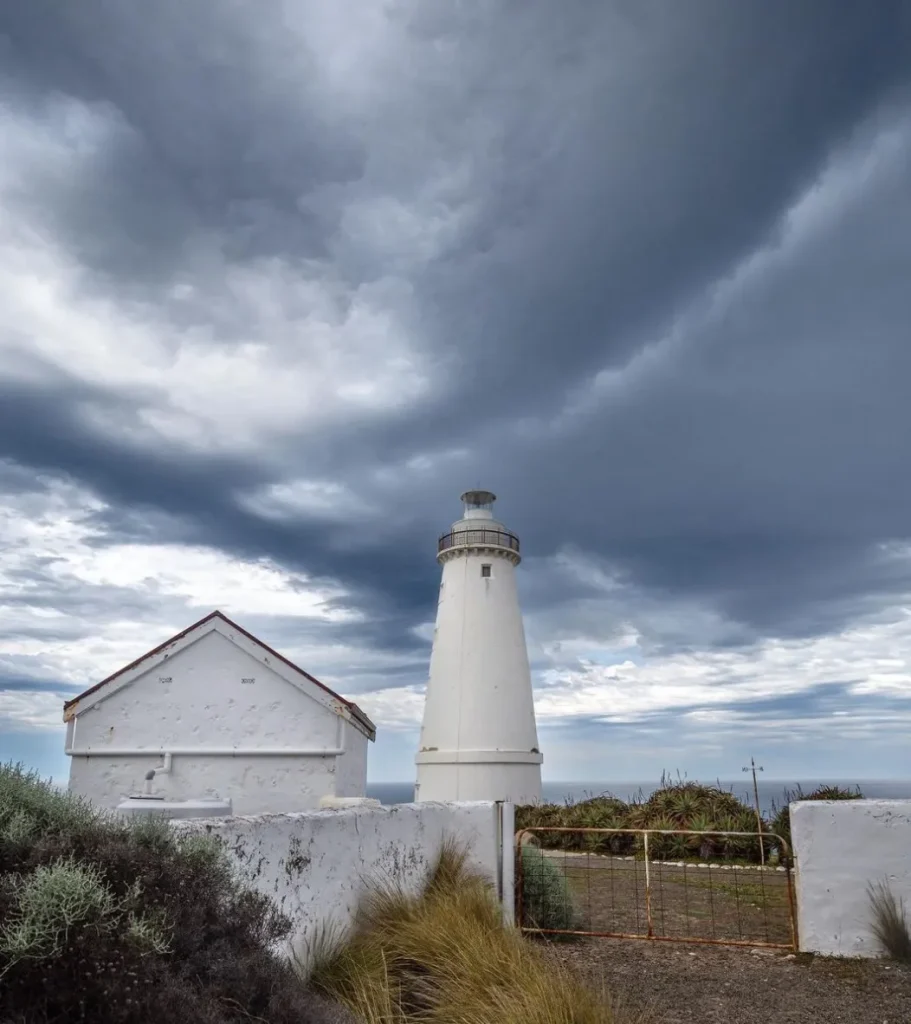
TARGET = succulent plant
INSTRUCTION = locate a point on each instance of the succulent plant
(704, 847)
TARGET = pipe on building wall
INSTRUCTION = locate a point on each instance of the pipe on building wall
(160, 769)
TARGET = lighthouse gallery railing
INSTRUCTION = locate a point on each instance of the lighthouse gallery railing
(480, 538)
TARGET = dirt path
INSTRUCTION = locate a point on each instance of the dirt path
(684, 984)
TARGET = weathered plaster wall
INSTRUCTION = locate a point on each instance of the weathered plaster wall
(840, 848)
(351, 770)
(314, 865)
(199, 699)
(255, 785)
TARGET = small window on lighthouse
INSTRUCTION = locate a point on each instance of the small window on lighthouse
(485, 570)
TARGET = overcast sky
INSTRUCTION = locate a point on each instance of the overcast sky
(279, 280)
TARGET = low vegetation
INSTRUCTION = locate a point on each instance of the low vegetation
(781, 818)
(674, 805)
(101, 920)
(443, 956)
(889, 922)
(547, 902)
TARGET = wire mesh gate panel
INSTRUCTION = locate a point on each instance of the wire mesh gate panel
(617, 888)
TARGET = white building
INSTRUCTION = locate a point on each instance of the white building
(478, 739)
(219, 715)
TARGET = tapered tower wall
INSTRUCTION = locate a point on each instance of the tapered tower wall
(479, 740)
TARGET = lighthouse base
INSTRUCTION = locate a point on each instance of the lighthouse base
(449, 776)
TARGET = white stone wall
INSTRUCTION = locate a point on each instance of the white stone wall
(205, 703)
(841, 847)
(315, 865)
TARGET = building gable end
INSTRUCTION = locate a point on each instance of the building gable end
(241, 639)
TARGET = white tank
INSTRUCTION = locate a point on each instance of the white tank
(479, 740)
(139, 805)
(342, 803)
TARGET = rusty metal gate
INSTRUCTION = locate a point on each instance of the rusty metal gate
(658, 884)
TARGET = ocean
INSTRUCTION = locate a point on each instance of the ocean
(772, 793)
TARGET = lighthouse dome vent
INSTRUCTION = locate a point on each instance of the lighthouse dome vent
(478, 529)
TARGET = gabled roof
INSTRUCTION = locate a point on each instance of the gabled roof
(218, 622)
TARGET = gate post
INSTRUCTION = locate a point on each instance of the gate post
(506, 818)
(648, 888)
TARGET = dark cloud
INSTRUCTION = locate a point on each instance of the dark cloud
(209, 123)
(604, 169)
(674, 171)
(824, 732)
(779, 711)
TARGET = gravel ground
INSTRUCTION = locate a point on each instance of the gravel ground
(676, 983)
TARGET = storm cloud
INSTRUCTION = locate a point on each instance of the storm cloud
(279, 282)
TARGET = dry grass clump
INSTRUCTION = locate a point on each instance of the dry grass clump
(443, 956)
(889, 923)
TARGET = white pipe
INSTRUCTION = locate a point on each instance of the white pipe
(161, 769)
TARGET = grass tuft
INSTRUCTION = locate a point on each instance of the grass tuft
(889, 923)
(443, 956)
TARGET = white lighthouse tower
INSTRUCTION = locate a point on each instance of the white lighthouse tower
(478, 739)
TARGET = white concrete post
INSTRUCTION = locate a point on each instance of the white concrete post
(507, 854)
(842, 847)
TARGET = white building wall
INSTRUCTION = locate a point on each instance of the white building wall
(840, 848)
(315, 865)
(351, 770)
(198, 699)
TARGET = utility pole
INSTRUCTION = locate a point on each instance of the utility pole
(757, 768)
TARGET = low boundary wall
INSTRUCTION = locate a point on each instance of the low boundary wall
(315, 864)
(841, 847)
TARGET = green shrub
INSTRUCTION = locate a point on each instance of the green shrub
(598, 812)
(546, 900)
(663, 847)
(675, 805)
(129, 923)
(49, 904)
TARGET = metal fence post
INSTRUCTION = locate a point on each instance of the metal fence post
(648, 889)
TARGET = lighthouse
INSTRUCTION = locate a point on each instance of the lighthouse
(478, 739)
